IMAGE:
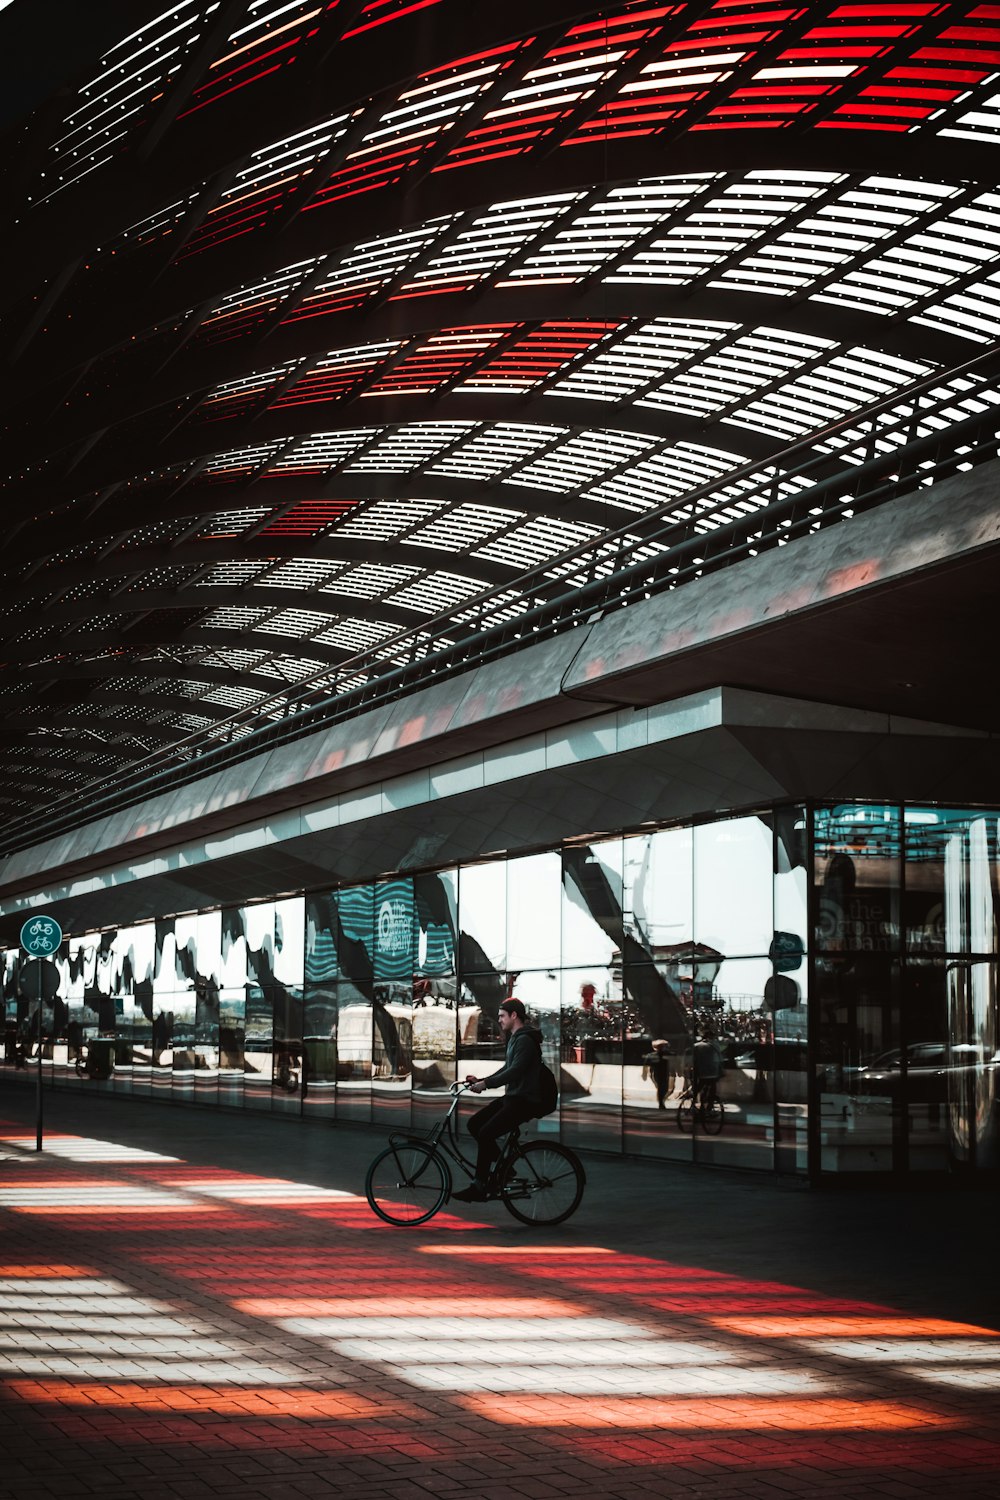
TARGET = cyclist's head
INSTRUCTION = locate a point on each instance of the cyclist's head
(513, 1007)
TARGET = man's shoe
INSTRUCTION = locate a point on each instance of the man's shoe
(474, 1193)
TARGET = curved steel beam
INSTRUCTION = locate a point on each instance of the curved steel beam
(207, 278)
(374, 65)
(204, 598)
(117, 514)
(198, 372)
(113, 460)
(136, 562)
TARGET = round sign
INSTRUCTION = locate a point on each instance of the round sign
(38, 979)
(41, 936)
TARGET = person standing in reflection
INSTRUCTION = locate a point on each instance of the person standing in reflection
(706, 1063)
(659, 1065)
(521, 1079)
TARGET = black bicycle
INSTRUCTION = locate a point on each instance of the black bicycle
(706, 1107)
(410, 1180)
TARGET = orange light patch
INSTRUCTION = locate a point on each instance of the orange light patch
(100, 1211)
(714, 1414)
(404, 1307)
(574, 1252)
(261, 1402)
(36, 1272)
(861, 1328)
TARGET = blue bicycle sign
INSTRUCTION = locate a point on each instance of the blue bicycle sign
(41, 936)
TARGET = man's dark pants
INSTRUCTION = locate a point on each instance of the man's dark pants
(498, 1118)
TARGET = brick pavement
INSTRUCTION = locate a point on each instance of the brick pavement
(201, 1306)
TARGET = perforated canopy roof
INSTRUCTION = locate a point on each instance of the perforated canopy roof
(358, 339)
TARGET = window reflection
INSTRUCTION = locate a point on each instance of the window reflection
(630, 953)
(733, 911)
(483, 902)
(951, 881)
(590, 1073)
(533, 899)
(857, 851)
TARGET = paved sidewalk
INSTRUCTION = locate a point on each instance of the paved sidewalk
(196, 1304)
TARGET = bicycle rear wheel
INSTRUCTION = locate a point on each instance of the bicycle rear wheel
(407, 1184)
(711, 1116)
(542, 1184)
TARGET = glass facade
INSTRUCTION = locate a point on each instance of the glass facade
(833, 967)
(908, 1043)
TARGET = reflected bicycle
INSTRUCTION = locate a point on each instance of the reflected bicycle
(410, 1180)
(705, 1107)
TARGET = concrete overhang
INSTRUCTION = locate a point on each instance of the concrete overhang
(890, 616)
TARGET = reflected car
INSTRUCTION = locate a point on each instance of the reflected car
(928, 1065)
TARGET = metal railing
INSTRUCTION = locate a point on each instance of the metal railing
(946, 423)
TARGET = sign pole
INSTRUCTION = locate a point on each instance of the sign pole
(40, 937)
(38, 1092)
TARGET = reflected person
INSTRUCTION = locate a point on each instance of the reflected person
(659, 1065)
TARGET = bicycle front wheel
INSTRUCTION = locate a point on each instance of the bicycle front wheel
(543, 1184)
(685, 1115)
(407, 1184)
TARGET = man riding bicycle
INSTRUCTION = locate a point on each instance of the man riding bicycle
(521, 1078)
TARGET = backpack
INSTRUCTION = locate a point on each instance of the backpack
(548, 1091)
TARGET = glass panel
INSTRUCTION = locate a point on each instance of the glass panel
(734, 1031)
(286, 1079)
(660, 968)
(857, 853)
(321, 944)
(925, 1062)
(163, 1005)
(656, 1040)
(232, 1044)
(593, 904)
(980, 1058)
(233, 972)
(658, 877)
(733, 908)
(258, 1060)
(289, 942)
(140, 957)
(533, 900)
(781, 1047)
(782, 1042)
(184, 1056)
(320, 1018)
(482, 911)
(480, 1043)
(972, 1059)
(354, 1052)
(320, 1049)
(232, 1007)
(11, 1050)
(951, 881)
(860, 1098)
(435, 994)
(392, 1054)
(590, 1074)
(354, 941)
(286, 1000)
(101, 1005)
(37, 982)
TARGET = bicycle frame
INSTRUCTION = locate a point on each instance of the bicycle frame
(443, 1138)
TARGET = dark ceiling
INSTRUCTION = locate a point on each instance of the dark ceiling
(351, 341)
